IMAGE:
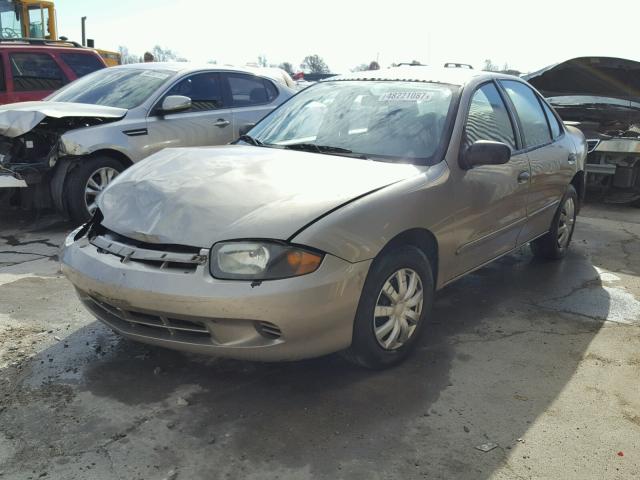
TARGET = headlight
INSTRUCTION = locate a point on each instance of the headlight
(261, 261)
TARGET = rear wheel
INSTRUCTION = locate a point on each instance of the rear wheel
(555, 243)
(395, 301)
(86, 182)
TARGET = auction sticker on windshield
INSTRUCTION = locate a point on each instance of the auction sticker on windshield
(405, 97)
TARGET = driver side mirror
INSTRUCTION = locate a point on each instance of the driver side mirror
(175, 103)
(485, 152)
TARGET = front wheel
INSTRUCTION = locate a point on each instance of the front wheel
(86, 182)
(554, 244)
(395, 302)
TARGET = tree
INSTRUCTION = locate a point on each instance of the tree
(287, 67)
(212, 62)
(360, 68)
(489, 66)
(314, 64)
(127, 57)
(262, 61)
(165, 55)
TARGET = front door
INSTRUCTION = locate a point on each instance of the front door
(208, 122)
(492, 198)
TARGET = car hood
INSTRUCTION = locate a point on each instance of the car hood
(199, 196)
(19, 118)
(601, 93)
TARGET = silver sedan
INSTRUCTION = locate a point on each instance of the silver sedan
(72, 145)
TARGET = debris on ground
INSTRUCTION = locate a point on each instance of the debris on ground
(486, 447)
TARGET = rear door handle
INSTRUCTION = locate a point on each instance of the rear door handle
(221, 122)
(523, 177)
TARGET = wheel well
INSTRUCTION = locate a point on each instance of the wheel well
(121, 157)
(578, 182)
(422, 239)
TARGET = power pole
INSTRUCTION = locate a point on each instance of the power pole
(84, 31)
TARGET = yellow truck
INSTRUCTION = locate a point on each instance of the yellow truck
(36, 19)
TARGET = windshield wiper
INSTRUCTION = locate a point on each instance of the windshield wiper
(312, 147)
(249, 139)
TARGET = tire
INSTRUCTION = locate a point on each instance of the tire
(367, 349)
(555, 243)
(75, 194)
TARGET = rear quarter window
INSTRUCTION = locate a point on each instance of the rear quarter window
(249, 90)
(81, 63)
(35, 71)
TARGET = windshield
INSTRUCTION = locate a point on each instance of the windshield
(10, 16)
(392, 121)
(114, 87)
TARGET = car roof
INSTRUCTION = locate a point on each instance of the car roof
(187, 67)
(449, 76)
(46, 48)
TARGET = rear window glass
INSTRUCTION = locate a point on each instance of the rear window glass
(248, 90)
(35, 71)
(82, 64)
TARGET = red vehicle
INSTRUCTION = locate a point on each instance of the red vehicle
(32, 69)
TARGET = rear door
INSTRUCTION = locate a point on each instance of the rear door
(208, 122)
(251, 97)
(33, 75)
(550, 154)
(493, 197)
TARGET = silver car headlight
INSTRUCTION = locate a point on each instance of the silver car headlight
(261, 260)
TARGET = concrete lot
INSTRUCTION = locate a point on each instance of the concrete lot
(542, 359)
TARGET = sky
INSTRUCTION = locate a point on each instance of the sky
(527, 35)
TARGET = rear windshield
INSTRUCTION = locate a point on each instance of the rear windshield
(114, 87)
(82, 64)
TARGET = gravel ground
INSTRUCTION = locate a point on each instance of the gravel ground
(540, 359)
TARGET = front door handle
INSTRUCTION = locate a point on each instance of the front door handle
(221, 122)
(571, 160)
(523, 177)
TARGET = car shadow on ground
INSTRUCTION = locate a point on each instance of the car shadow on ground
(498, 350)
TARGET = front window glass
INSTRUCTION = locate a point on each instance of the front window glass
(488, 118)
(385, 120)
(114, 87)
(203, 89)
(532, 118)
(10, 25)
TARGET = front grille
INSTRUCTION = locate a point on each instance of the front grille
(268, 330)
(151, 325)
(174, 258)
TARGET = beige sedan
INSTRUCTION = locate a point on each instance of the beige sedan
(333, 223)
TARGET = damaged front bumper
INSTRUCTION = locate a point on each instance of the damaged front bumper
(171, 300)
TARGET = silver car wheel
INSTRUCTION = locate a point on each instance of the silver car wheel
(566, 222)
(398, 309)
(97, 182)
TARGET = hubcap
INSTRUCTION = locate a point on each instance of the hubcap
(97, 182)
(566, 222)
(398, 309)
